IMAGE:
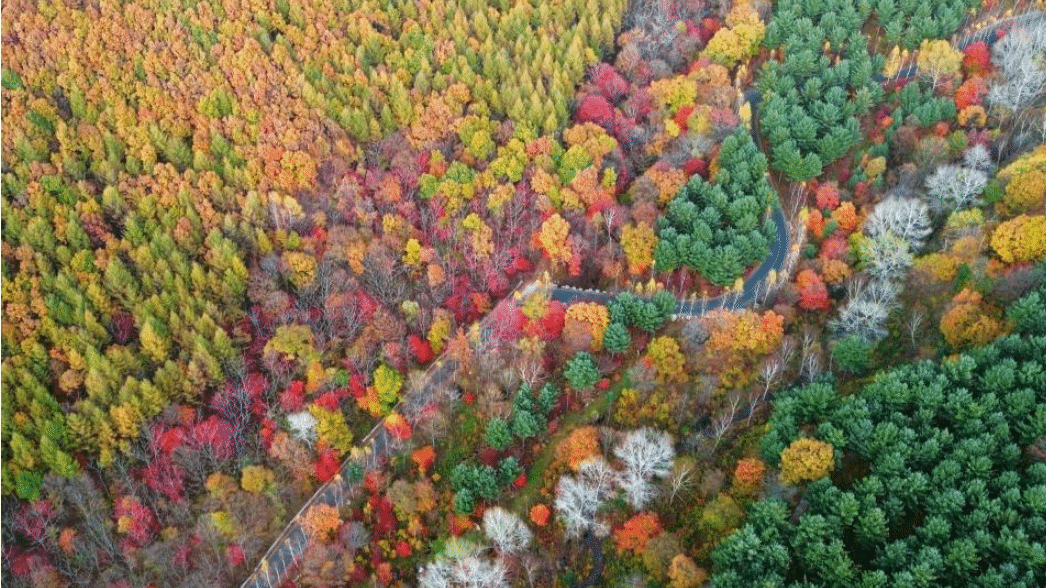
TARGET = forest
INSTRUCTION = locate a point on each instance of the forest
(491, 293)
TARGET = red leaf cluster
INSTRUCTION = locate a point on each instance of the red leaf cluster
(293, 397)
(595, 109)
(420, 348)
(327, 464)
(813, 294)
(971, 92)
(611, 84)
(216, 433)
(976, 60)
(827, 196)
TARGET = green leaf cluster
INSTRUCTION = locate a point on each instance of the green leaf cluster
(715, 227)
(931, 486)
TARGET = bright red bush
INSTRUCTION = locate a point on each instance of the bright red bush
(595, 109)
(553, 320)
(327, 464)
(611, 84)
(976, 60)
(827, 196)
(293, 397)
(217, 434)
(696, 166)
(420, 348)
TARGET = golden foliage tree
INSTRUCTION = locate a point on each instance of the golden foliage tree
(1021, 239)
(581, 444)
(638, 242)
(667, 358)
(970, 322)
(806, 460)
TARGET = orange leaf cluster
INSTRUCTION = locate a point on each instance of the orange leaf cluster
(584, 324)
(846, 216)
(581, 444)
(321, 521)
(424, 458)
(749, 473)
(539, 514)
(737, 341)
(634, 534)
(398, 426)
(970, 322)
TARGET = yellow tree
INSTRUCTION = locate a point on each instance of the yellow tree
(806, 459)
(638, 242)
(1021, 239)
(666, 357)
(553, 239)
(938, 60)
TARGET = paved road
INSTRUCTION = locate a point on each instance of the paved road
(691, 308)
(287, 549)
(598, 561)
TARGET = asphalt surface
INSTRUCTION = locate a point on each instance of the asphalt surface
(688, 308)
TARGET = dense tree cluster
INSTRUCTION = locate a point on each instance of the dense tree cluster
(932, 485)
(825, 82)
(720, 228)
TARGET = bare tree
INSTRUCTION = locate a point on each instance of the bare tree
(579, 498)
(646, 452)
(885, 256)
(907, 218)
(954, 187)
(509, 534)
(769, 376)
(867, 307)
(725, 420)
(470, 571)
(914, 323)
(978, 158)
(303, 426)
(681, 479)
(1019, 56)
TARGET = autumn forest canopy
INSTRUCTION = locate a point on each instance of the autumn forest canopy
(523, 293)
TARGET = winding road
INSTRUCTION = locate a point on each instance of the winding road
(378, 446)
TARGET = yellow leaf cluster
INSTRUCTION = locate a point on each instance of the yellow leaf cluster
(806, 459)
(1026, 182)
(331, 428)
(673, 93)
(638, 242)
(1021, 239)
(439, 330)
(938, 58)
(667, 358)
(301, 268)
(256, 478)
(553, 239)
(730, 46)
(594, 315)
(412, 253)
